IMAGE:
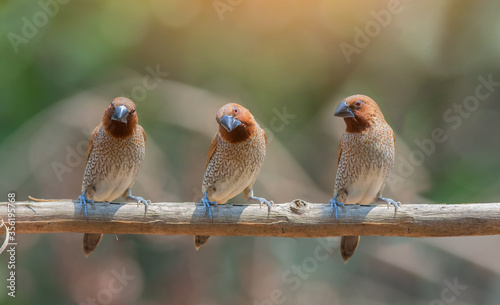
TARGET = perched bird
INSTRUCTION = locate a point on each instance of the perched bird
(234, 160)
(364, 160)
(114, 157)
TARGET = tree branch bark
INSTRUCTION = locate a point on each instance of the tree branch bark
(295, 219)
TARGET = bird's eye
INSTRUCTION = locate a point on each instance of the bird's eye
(113, 104)
(133, 110)
(358, 103)
(235, 110)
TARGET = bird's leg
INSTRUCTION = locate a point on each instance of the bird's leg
(389, 202)
(83, 201)
(335, 204)
(138, 199)
(248, 193)
(262, 201)
(207, 203)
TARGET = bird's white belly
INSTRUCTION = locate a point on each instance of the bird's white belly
(113, 185)
(365, 188)
(228, 189)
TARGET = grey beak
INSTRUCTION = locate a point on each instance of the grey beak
(229, 122)
(344, 111)
(120, 114)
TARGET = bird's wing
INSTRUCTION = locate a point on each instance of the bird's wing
(337, 180)
(211, 150)
(91, 141)
(143, 133)
(339, 153)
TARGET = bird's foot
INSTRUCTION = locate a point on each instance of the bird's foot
(140, 200)
(335, 204)
(261, 200)
(207, 204)
(389, 201)
(83, 201)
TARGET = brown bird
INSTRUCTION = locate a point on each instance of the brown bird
(114, 157)
(234, 160)
(364, 160)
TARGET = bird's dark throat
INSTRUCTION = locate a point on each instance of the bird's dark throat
(239, 134)
(356, 125)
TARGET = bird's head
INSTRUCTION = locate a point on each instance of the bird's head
(360, 112)
(236, 123)
(120, 118)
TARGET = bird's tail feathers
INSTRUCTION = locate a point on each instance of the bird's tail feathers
(348, 245)
(90, 242)
(200, 240)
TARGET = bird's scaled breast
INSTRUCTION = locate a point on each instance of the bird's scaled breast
(233, 168)
(114, 164)
(365, 163)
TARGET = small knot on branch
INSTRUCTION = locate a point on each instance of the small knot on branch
(299, 206)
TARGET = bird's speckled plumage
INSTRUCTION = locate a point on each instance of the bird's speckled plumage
(234, 159)
(115, 155)
(233, 167)
(113, 163)
(364, 160)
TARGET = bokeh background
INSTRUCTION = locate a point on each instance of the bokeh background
(291, 63)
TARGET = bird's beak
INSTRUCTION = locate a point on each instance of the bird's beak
(229, 122)
(120, 114)
(344, 111)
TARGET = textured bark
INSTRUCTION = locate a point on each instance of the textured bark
(295, 219)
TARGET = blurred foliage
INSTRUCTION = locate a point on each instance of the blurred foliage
(273, 57)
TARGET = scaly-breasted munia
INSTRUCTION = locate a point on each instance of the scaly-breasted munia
(364, 159)
(114, 157)
(234, 160)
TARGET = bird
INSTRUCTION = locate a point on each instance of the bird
(234, 160)
(115, 154)
(365, 158)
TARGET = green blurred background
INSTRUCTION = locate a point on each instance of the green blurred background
(62, 63)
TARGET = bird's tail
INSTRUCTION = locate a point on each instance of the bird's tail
(200, 240)
(348, 245)
(90, 242)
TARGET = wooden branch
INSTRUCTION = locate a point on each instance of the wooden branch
(295, 219)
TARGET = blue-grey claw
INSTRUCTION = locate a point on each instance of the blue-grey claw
(83, 202)
(140, 200)
(335, 204)
(261, 200)
(389, 201)
(207, 204)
